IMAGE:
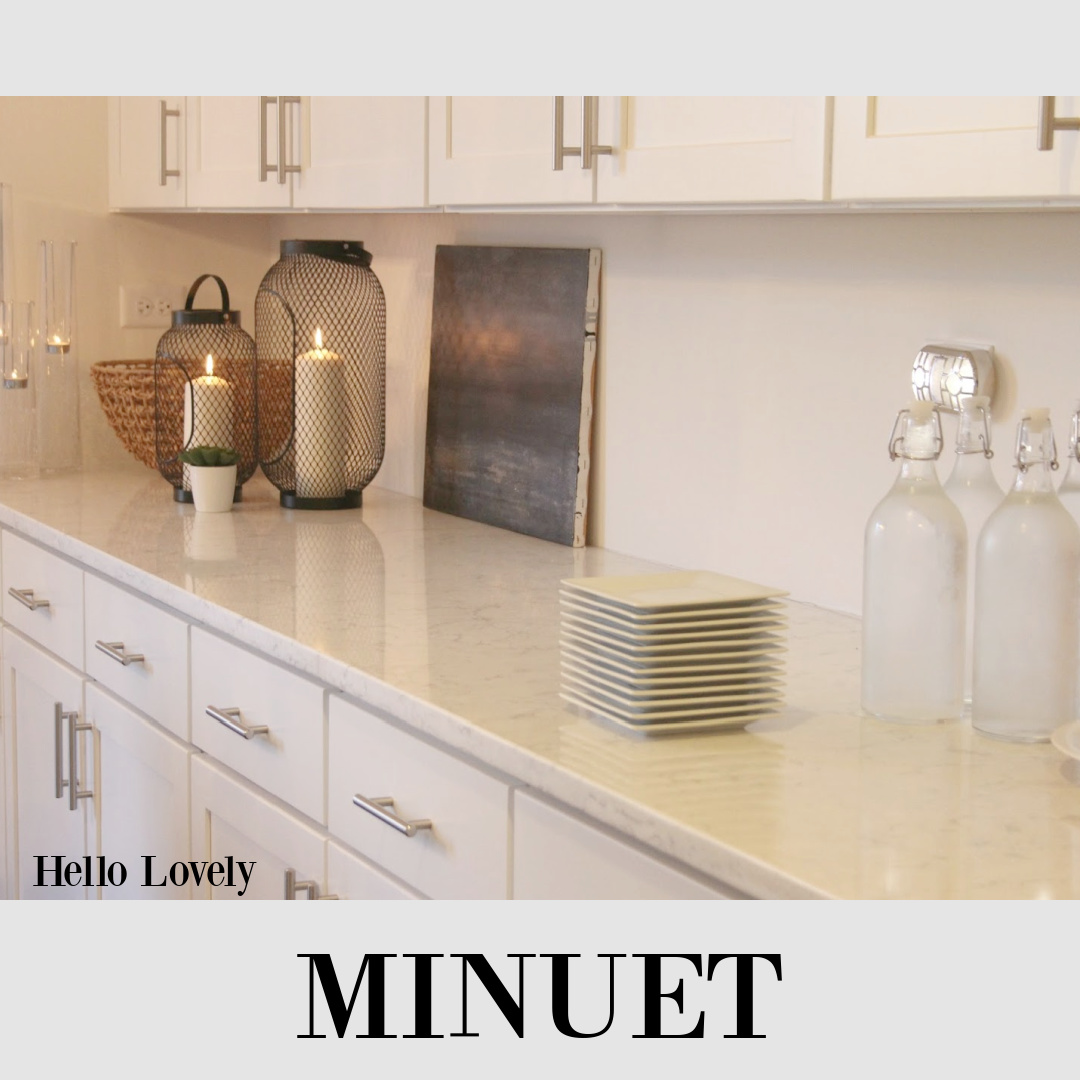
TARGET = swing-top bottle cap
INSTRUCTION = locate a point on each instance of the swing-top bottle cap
(921, 410)
(917, 432)
(978, 401)
(1035, 419)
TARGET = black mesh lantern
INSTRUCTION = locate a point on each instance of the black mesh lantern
(320, 335)
(204, 389)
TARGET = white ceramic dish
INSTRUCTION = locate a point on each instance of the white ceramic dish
(678, 727)
(666, 711)
(755, 643)
(633, 689)
(1067, 739)
(652, 636)
(642, 704)
(674, 591)
(758, 663)
(582, 604)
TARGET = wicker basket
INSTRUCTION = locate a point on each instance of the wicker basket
(125, 389)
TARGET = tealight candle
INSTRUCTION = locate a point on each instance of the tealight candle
(320, 423)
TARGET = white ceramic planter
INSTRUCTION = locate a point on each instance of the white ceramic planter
(212, 487)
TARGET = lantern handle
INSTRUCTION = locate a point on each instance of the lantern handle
(195, 288)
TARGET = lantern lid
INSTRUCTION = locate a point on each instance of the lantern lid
(346, 251)
(190, 316)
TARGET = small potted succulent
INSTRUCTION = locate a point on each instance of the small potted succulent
(211, 472)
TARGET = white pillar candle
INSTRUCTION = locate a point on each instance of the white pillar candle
(321, 426)
(208, 412)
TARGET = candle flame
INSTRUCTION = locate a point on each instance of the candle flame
(209, 364)
(318, 338)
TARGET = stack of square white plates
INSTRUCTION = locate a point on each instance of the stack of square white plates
(677, 652)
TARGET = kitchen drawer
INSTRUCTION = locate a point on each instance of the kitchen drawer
(560, 857)
(463, 855)
(288, 758)
(51, 611)
(157, 683)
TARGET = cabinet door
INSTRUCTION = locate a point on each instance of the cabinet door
(950, 148)
(712, 149)
(41, 821)
(230, 820)
(557, 856)
(230, 143)
(498, 151)
(146, 153)
(351, 878)
(361, 153)
(141, 804)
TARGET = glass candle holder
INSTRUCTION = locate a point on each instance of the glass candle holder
(57, 293)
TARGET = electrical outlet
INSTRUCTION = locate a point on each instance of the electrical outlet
(150, 306)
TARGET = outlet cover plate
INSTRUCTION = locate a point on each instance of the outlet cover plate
(150, 306)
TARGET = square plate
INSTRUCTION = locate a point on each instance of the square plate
(652, 636)
(757, 643)
(646, 671)
(678, 727)
(622, 686)
(630, 704)
(675, 591)
(583, 607)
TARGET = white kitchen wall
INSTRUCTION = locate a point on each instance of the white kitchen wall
(750, 365)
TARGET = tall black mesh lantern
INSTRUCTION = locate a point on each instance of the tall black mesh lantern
(204, 389)
(320, 335)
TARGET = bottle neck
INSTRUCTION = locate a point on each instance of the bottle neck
(1036, 478)
(921, 470)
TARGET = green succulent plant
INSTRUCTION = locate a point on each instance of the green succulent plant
(211, 456)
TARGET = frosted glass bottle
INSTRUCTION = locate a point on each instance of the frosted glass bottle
(1027, 600)
(914, 581)
(977, 494)
(1069, 488)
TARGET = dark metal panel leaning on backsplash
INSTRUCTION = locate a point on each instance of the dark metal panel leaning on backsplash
(513, 350)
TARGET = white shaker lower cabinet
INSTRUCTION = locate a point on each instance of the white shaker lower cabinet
(437, 823)
(231, 822)
(141, 801)
(351, 878)
(45, 817)
(559, 857)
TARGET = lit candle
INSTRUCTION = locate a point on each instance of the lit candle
(321, 423)
(208, 412)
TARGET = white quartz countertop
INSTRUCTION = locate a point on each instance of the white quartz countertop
(452, 627)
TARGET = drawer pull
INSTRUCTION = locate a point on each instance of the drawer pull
(1049, 123)
(381, 808)
(292, 887)
(231, 719)
(59, 717)
(115, 651)
(26, 598)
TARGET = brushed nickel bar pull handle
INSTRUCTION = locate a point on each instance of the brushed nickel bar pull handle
(115, 651)
(74, 795)
(264, 167)
(283, 143)
(59, 716)
(558, 124)
(165, 171)
(292, 887)
(1049, 123)
(26, 598)
(231, 719)
(381, 808)
(590, 124)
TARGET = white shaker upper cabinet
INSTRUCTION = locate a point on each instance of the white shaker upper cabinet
(711, 149)
(970, 148)
(501, 151)
(361, 153)
(146, 153)
(236, 147)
